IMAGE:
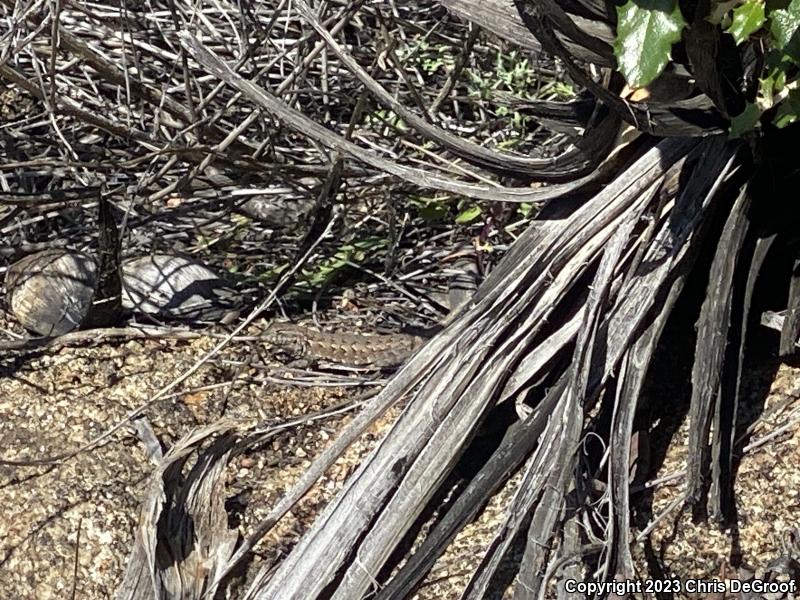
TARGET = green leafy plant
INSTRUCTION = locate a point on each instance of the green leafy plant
(427, 57)
(648, 29)
(358, 251)
(468, 214)
(747, 19)
(526, 210)
(511, 72)
(645, 35)
(430, 209)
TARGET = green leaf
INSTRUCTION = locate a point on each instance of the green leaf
(563, 90)
(468, 215)
(430, 209)
(433, 212)
(526, 209)
(769, 86)
(646, 31)
(747, 19)
(357, 252)
(789, 110)
(744, 121)
(783, 25)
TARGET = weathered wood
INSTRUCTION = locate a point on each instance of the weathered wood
(560, 464)
(791, 323)
(500, 18)
(183, 537)
(421, 178)
(657, 271)
(774, 320)
(711, 402)
(619, 562)
(720, 496)
(520, 439)
(106, 308)
(497, 16)
(544, 169)
(430, 435)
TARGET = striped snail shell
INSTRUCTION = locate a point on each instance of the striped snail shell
(50, 292)
(55, 291)
(171, 287)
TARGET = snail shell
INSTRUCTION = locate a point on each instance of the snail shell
(50, 292)
(171, 287)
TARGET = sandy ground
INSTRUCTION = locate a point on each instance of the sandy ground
(67, 528)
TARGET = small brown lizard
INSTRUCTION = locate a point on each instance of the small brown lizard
(347, 349)
(372, 351)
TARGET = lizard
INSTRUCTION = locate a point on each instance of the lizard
(347, 349)
(383, 351)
